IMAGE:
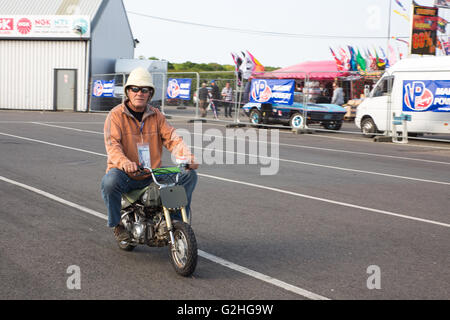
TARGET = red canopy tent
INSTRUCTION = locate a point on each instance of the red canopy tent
(316, 70)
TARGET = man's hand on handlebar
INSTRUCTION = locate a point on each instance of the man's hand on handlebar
(192, 166)
(130, 167)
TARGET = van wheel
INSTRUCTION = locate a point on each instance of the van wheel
(333, 125)
(255, 116)
(296, 121)
(368, 128)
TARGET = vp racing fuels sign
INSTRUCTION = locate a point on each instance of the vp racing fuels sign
(179, 89)
(103, 88)
(272, 91)
(426, 95)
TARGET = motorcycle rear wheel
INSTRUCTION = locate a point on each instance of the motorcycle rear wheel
(184, 252)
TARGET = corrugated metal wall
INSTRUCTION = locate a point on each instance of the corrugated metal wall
(27, 72)
(50, 7)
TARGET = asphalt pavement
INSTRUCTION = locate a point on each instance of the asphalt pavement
(341, 217)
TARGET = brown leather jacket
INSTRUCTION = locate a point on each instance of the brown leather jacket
(122, 133)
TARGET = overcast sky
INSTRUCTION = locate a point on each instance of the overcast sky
(278, 24)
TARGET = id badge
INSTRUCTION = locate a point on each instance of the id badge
(144, 155)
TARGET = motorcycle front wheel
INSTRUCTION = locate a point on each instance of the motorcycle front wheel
(183, 252)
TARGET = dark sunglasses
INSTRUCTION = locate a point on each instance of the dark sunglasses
(144, 90)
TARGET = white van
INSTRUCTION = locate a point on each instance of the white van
(420, 88)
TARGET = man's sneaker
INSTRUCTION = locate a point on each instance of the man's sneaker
(121, 234)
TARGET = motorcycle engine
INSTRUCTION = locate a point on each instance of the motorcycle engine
(138, 231)
(151, 197)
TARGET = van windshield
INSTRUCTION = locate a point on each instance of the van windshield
(384, 87)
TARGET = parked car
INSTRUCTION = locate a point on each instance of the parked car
(330, 116)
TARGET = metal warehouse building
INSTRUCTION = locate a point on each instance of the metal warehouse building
(50, 48)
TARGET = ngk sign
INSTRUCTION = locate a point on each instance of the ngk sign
(24, 26)
(37, 26)
(6, 24)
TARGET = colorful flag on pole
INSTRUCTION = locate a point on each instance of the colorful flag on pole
(446, 46)
(258, 67)
(401, 40)
(441, 24)
(400, 4)
(353, 63)
(442, 3)
(385, 58)
(404, 15)
(345, 59)
(247, 66)
(374, 62)
(392, 55)
(238, 62)
(339, 65)
(380, 62)
(361, 61)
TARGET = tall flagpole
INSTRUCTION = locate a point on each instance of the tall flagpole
(389, 107)
(389, 23)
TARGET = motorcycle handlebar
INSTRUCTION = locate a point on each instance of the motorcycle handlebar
(162, 171)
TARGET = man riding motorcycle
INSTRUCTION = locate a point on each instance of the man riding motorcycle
(132, 129)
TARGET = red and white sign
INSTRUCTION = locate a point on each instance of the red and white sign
(24, 26)
(6, 24)
(42, 26)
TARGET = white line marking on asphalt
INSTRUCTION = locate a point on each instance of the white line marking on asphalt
(264, 187)
(262, 277)
(328, 200)
(53, 197)
(409, 145)
(329, 167)
(53, 144)
(50, 124)
(294, 145)
(216, 123)
(67, 128)
(208, 256)
(287, 160)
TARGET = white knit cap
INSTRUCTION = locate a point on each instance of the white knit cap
(139, 77)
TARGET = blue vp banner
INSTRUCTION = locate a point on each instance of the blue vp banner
(103, 88)
(272, 91)
(179, 89)
(426, 95)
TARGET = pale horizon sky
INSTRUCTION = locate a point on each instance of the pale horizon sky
(343, 22)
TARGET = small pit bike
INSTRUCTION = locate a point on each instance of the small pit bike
(156, 216)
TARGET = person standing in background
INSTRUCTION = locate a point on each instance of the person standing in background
(215, 94)
(203, 97)
(227, 98)
(338, 95)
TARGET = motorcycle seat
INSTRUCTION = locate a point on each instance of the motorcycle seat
(134, 195)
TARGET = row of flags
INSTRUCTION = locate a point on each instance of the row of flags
(354, 59)
(444, 44)
(366, 60)
(246, 64)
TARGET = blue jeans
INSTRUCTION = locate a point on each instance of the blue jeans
(116, 182)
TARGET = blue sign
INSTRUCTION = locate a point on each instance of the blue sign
(272, 91)
(426, 95)
(179, 89)
(103, 88)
